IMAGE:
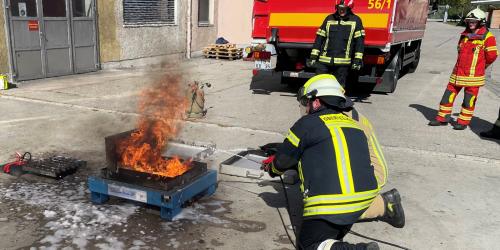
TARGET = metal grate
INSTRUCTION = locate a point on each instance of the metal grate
(149, 12)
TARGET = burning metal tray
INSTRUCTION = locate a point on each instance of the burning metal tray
(154, 181)
(196, 151)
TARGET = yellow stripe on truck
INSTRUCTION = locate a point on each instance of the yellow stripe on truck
(370, 20)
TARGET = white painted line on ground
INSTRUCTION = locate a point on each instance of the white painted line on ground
(67, 105)
(26, 119)
(444, 154)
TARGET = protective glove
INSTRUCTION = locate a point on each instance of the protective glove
(357, 64)
(271, 148)
(267, 165)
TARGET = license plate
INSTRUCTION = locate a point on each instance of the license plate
(294, 74)
(127, 193)
(262, 64)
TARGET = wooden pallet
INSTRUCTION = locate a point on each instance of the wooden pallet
(223, 57)
(222, 46)
(223, 51)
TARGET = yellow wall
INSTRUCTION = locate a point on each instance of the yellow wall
(235, 21)
(109, 45)
(4, 60)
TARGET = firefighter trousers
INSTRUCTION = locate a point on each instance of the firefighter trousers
(468, 104)
(315, 231)
(340, 72)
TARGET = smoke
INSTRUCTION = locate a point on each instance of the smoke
(162, 107)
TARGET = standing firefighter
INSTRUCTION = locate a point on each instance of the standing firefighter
(339, 43)
(341, 167)
(476, 51)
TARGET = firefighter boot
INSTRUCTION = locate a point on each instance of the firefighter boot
(437, 123)
(494, 133)
(394, 213)
(458, 126)
(359, 246)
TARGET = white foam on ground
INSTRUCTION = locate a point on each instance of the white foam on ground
(72, 217)
(196, 214)
(49, 214)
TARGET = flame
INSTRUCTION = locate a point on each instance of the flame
(162, 106)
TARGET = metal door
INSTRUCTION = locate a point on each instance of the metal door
(56, 40)
(84, 36)
(25, 39)
(52, 37)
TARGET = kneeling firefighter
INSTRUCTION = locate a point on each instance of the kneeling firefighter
(340, 165)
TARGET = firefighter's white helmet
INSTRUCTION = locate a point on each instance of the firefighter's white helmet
(476, 14)
(322, 86)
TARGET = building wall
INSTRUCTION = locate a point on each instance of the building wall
(148, 44)
(235, 20)
(4, 59)
(203, 35)
(147, 41)
(119, 43)
(109, 45)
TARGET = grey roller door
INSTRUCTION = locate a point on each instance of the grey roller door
(56, 38)
(52, 37)
(25, 38)
(84, 35)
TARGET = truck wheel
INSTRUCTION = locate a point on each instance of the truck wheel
(413, 66)
(397, 73)
(390, 76)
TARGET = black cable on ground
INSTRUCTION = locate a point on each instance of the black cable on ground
(289, 214)
(379, 241)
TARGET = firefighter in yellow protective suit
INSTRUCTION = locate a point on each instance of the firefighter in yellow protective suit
(341, 167)
(477, 50)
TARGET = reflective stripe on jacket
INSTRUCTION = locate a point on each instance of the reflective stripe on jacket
(475, 52)
(335, 165)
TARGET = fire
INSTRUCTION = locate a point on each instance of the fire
(162, 106)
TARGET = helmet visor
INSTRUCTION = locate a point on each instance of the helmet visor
(303, 97)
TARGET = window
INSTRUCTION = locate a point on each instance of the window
(205, 12)
(149, 12)
(23, 8)
(54, 8)
(82, 8)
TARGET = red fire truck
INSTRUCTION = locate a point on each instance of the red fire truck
(394, 32)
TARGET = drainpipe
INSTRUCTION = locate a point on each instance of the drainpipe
(189, 29)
